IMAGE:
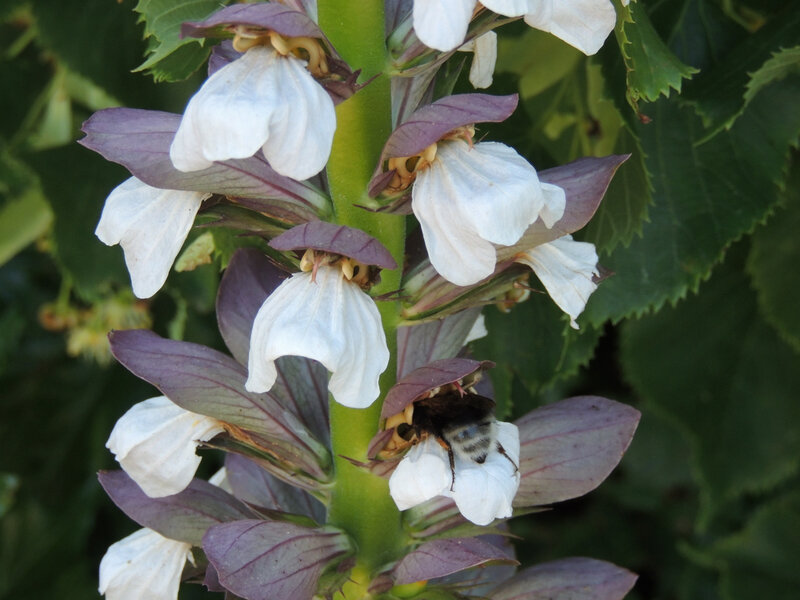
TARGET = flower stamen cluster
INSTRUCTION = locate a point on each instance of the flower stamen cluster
(357, 272)
(305, 48)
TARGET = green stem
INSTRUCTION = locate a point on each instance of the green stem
(360, 502)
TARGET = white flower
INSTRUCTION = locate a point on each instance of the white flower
(478, 330)
(143, 565)
(330, 320)
(155, 442)
(151, 225)
(443, 24)
(482, 492)
(262, 100)
(484, 49)
(584, 24)
(566, 268)
(469, 199)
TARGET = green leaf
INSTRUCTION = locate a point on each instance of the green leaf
(24, 214)
(720, 372)
(534, 341)
(624, 208)
(772, 264)
(761, 560)
(653, 69)
(721, 93)
(705, 197)
(170, 57)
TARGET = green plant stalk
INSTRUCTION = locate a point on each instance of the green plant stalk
(360, 502)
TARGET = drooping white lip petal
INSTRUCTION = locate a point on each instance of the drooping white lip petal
(485, 492)
(566, 269)
(143, 565)
(484, 49)
(424, 473)
(329, 320)
(155, 442)
(260, 101)
(583, 24)
(469, 199)
(151, 225)
(301, 128)
(442, 24)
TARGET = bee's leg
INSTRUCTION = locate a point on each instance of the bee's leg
(502, 451)
(444, 444)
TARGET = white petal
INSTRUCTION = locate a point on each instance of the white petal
(330, 320)
(424, 473)
(469, 199)
(478, 330)
(220, 479)
(584, 24)
(507, 8)
(484, 492)
(301, 129)
(261, 100)
(151, 225)
(155, 441)
(565, 267)
(143, 565)
(483, 61)
(555, 201)
(442, 24)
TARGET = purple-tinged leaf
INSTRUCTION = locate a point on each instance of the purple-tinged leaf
(211, 580)
(424, 379)
(568, 579)
(479, 582)
(568, 448)
(439, 558)
(264, 560)
(432, 122)
(139, 140)
(302, 383)
(248, 280)
(337, 239)
(418, 345)
(584, 182)
(185, 517)
(252, 484)
(207, 382)
(269, 15)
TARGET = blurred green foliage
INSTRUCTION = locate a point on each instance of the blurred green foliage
(697, 327)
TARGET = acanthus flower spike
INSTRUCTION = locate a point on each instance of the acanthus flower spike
(323, 313)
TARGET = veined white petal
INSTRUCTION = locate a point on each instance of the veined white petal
(261, 100)
(329, 320)
(484, 492)
(507, 8)
(155, 441)
(151, 225)
(584, 24)
(143, 565)
(555, 201)
(565, 267)
(442, 24)
(484, 49)
(424, 473)
(469, 199)
(302, 125)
